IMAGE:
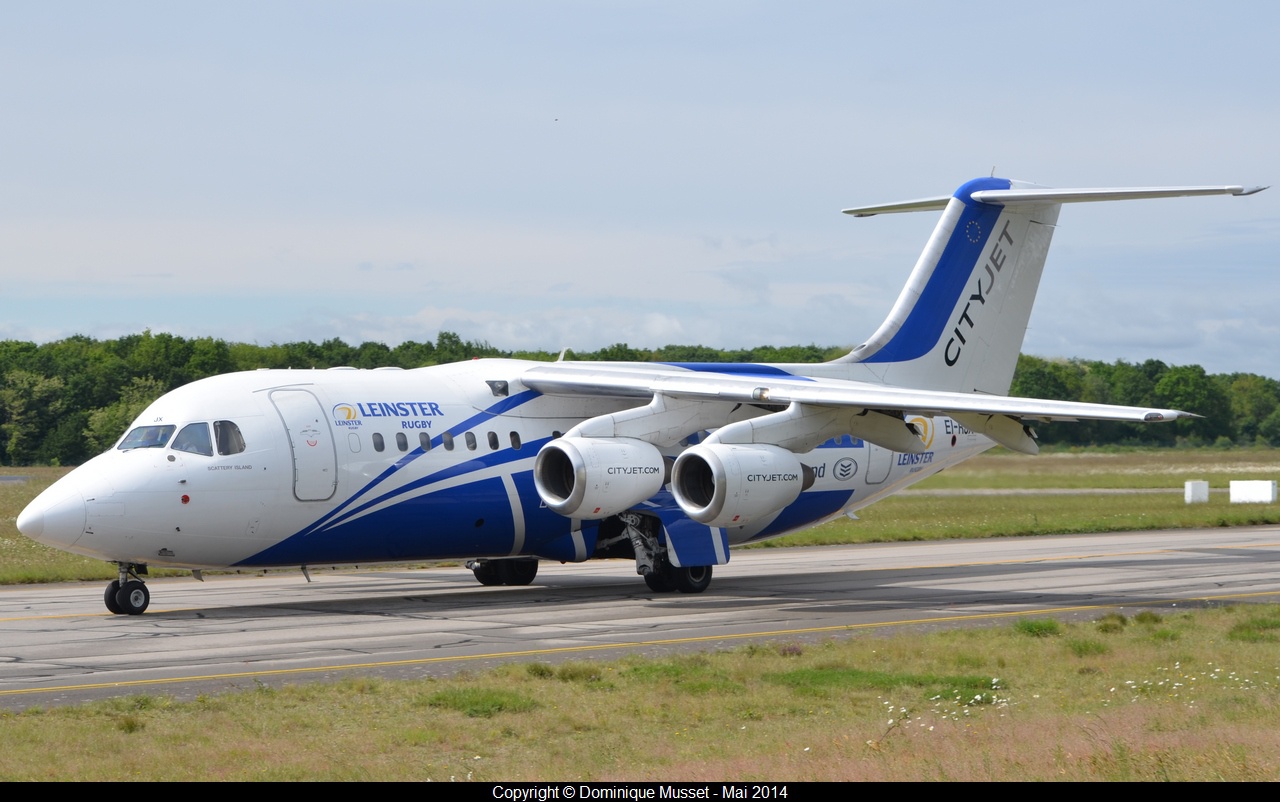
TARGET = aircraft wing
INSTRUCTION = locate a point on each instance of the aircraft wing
(639, 381)
(831, 406)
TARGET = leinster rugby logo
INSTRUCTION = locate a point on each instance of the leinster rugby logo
(925, 427)
(345, 415)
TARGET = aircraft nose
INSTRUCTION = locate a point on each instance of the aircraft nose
(57, 521)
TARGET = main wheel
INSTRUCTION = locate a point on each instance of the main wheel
(659, 581)
(109, 598)
(691, 580)
(520, 572)
(487, 573)
(133, 598)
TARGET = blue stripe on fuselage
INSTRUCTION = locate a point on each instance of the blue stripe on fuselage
(500, 407)
(931, 313)
(812, 506)
(345, 510)
(467, 521)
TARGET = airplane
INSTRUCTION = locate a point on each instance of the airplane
(503, 462)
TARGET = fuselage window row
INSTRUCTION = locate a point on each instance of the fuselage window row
(196, 441)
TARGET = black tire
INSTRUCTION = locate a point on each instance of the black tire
(133, 598)
(694, 579)
(109, 598)
(519, 572)
(487, 573)
(659, 581)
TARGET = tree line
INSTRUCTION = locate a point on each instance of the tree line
(65, 401)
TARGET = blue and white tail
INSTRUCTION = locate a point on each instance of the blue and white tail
(959, 323)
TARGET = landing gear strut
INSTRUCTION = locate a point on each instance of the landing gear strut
(128, 595)
(652, 563)
(504, 572)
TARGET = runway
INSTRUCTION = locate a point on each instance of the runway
(58, 645)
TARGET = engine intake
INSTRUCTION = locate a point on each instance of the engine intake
(595, 477)
(720, 484)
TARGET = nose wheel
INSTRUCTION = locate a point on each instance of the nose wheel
(109, 598)
(128, 595)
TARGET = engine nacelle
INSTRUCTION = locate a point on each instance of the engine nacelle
(595, 477)
(720, 484)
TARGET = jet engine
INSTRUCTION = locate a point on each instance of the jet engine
(595, 477)
(720, 484)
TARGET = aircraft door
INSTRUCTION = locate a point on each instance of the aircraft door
(315, 460)
(879, 463)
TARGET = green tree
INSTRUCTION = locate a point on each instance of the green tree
(31, 405)
(208, 357)
(105, 425)
(1253, 399)
(1190, 389)
(618, 352)
(687, 353)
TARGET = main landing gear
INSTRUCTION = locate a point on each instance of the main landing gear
(652, 563)
(504, 572)
(667, 578)
(128, 595)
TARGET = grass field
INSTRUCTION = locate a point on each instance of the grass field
(1191, 695)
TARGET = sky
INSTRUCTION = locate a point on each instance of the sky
(573, 174)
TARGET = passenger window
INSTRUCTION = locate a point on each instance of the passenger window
(146, 437)
(228, 437)
(471, 441)
(402, 441)
(353, 440)
(378, 443)
(493, 441)
(424, 440)
(447, 439)
(194, 439)
(515, 441)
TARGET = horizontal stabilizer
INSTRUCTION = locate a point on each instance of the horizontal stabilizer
(919, 205)
(1037, 195)
(1008, 197)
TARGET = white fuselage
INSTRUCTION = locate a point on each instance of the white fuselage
(355, 466)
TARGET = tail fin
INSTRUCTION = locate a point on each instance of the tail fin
(959, 323)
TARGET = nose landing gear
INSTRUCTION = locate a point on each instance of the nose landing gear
(128, 595)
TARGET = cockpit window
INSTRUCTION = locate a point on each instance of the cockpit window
(194, 439)
(146, 437)
(228, 436)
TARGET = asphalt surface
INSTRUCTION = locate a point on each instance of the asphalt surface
(58, 645)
